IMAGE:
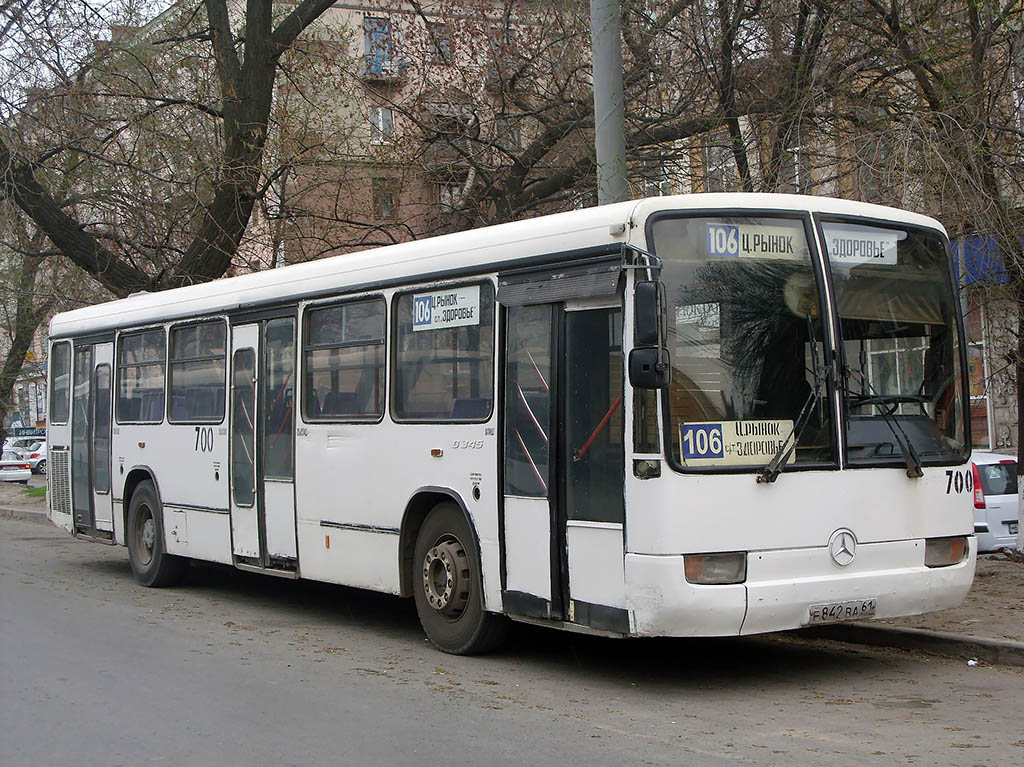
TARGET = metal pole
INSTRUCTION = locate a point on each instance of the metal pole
(609, 107)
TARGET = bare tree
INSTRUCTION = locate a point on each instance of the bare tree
(128, 81)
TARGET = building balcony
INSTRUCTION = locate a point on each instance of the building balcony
(382, 69)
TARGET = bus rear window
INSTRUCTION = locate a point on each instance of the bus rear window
(60, 382)
(444, 354)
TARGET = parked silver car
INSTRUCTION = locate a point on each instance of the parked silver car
(996, 508)
(35, 454)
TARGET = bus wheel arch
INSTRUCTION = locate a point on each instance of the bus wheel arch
(445, 576)
(135, 477)
(144, 536)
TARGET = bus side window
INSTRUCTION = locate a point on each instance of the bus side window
(344, 361)
(444, 354)
(140, 376)
(196, 372)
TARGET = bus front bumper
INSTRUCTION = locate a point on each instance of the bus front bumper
(783, 585)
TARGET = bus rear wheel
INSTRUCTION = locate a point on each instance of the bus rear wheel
(448, 588)
(151, 564)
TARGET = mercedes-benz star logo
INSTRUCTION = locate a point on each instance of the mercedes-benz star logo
(842, 546)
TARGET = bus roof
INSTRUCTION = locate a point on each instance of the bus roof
(491, 248)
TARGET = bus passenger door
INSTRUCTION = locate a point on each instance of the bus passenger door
(277, 437)
(103, 513)
(530, 548)
(81, 439)
(262, 444)
(245, 511)
(593, 456)
(563, 513)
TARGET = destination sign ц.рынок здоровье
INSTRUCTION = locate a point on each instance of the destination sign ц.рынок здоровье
(446, 308)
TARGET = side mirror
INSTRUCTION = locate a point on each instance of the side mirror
(649, 367)
(648, 309)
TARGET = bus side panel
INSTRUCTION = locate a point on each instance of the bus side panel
(356, 480)
(191, 470)
(192, 484)
(129, 449)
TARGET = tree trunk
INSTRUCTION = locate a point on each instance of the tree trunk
(28, 315)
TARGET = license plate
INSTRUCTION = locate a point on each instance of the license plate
(833, 612)
(1013, 528)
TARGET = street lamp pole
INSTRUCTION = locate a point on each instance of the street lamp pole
(609, 107)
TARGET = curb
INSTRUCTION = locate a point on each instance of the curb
(999, 651)
(29, 514)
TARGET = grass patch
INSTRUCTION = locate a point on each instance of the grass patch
(35, 492)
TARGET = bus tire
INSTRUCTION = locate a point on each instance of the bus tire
(448, 588)
(151, 564)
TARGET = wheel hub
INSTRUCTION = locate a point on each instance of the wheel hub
(446, 578)
(148, 534)
(145, 536)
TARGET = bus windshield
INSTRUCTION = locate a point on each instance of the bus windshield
(900, 350)
(745, 339)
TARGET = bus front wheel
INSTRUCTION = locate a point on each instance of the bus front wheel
(151, 564)
(448, 588)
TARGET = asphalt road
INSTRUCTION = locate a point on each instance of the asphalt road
(240, 669)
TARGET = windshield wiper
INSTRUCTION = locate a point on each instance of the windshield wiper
(821, 375)
(886, 405)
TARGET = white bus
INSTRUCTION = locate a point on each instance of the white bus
(682, 416)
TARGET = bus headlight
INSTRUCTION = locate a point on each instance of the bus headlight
(715, 569)
(942, 552)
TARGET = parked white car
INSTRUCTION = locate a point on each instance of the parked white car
(14, 468)
(17, 444)
(35, 454)
(996, 508)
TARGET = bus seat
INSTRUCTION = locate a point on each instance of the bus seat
(471, 407)
(339, 403)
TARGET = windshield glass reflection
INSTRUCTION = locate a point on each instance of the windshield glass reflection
(901, 375)
(745, 341)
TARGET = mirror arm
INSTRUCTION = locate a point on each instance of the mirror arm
(634, 257)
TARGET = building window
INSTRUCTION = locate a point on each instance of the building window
(507, 135)
(719, 164)
(873, 168)
(440, 42)
(378, 45)
(343, 368)
(140, 377)
(444, 354)
(977, 372)
(656, 180)
(382, 125)
(196, 372)
(384, 197)
(448, 197)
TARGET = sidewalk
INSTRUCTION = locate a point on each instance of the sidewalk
(988, 626)
(16, 502)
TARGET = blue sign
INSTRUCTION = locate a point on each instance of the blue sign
(723, 240)
(27, 431)
(422, 311)
(702, 440)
